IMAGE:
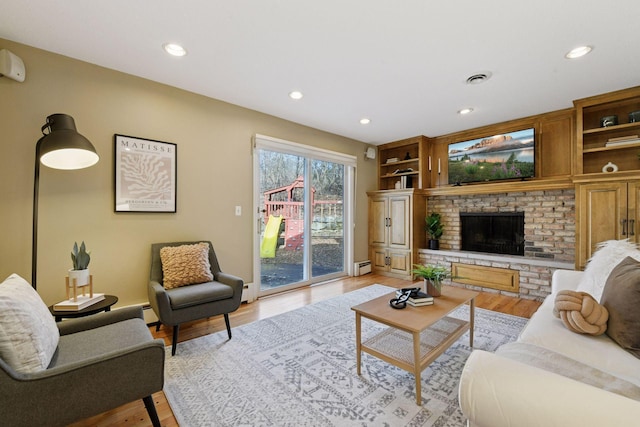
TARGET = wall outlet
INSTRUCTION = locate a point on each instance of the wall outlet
(238, 210)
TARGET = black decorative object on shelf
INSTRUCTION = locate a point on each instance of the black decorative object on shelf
(607, 121)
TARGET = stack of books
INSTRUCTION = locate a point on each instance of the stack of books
(623, 140)
(419, 300)
(83, 302)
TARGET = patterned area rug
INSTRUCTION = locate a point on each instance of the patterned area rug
(299, 369)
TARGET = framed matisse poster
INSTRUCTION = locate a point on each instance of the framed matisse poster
(145, 175)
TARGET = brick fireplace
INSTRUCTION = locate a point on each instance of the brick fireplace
(549, 235)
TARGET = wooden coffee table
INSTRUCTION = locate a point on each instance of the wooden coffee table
(416, 335)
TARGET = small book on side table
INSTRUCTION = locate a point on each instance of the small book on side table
(419, 299)
(83, 302)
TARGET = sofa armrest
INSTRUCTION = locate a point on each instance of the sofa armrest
(235, 282)
(159, 299)
(151, 351)
(97, 320)
(499, 392)
(565, 280)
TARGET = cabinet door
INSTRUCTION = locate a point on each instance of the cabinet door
(400, 262)
(603, 207)
(555, 150)
(379, 259)
(378, 220)
(400, 222)
(633, 211)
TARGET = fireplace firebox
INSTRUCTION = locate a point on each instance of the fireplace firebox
(492, 232)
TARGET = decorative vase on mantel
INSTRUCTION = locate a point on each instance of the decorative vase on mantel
(433, 287)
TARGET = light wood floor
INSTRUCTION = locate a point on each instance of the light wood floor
(135, 414)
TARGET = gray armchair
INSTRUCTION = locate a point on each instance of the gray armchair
(102, 362)
(192, 302)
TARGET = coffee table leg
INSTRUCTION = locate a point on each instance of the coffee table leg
(358, 342)
(472, 316)
(416, 366)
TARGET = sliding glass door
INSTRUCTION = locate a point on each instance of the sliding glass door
(327, 218)
(302, 198)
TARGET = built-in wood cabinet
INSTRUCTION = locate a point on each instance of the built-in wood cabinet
(607, 136)
(403, 164)
(608, 170)
(555, 151)
(593, 147)
(394, 234)
(605, 210)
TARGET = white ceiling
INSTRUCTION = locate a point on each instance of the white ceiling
(401, 63)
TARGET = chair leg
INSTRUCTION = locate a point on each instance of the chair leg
(174, 341)
(151, 409)
(157, 326)
(226, 321)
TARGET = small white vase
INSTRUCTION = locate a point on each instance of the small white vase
(81, 277)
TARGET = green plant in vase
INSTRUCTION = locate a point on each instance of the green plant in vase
(433, 276)
(80, 259)
(434, 228)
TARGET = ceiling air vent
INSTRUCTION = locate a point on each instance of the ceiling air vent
(478, 78)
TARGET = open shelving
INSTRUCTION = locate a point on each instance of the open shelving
(410, 155)
(598, 144)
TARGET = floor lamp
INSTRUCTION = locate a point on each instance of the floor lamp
(61, 147)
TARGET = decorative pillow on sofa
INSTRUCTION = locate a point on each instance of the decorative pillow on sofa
(621, 297)
(580, 312)
(185, 265)
(28, 332)
(607, 256)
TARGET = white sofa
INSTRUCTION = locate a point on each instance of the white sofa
(498, 391)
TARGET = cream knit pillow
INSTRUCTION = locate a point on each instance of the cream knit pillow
(185, 265)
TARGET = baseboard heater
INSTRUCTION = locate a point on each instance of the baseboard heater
(362, 267)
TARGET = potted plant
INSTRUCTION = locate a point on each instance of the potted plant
(434, 228)
(433, 276)
(80, 271)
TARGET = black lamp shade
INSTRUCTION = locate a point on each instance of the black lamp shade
(63, 147)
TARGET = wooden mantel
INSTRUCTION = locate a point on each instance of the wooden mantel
(502, 187)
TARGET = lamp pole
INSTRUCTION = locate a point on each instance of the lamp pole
(34, 233)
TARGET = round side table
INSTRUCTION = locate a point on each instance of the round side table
(104, 305)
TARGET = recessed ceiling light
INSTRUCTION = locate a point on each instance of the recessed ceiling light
(465, 111)
(174, 49)
(295, 94)
(365, 121)
(578, 52)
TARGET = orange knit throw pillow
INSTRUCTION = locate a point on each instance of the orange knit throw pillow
(580, 312)
(185, 265)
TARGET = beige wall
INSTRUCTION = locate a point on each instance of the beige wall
(214, 174)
